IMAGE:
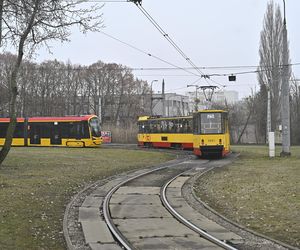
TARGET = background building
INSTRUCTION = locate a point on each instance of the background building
(174, 105)
(222, 97)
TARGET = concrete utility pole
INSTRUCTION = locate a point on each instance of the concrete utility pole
(269, 114)
(285, 94)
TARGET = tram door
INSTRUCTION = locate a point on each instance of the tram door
(35, 134)
(55, 138)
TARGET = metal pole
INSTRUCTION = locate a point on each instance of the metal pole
(151, 98)
(196, 100)
(285, 95)
(163, 98)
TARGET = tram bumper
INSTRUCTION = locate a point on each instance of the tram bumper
(212, 151)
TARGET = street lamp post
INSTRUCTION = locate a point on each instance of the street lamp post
(285, 108)
(196, 97)
(151, 97)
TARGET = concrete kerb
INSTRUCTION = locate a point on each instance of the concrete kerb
(192, 181)
(96, 184)
(65, 220)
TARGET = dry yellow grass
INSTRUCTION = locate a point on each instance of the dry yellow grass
(257, 192)
(37, 183)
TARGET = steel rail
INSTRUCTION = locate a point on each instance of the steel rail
(114, 230)
(186, 222)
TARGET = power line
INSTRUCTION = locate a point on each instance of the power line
(167, 37)
(263, 68)
(148, 54)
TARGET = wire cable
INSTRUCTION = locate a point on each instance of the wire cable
(168, 38)
(148, 54)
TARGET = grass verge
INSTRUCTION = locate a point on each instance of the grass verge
(257, 192)
(37, 183)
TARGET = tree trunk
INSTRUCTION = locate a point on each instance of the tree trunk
(14, 89)
(1, 15)
(246, 124)
(12, 108)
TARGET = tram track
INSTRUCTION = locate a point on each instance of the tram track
(185, 221)
(155, 184)
(134, 210)
(106, 211)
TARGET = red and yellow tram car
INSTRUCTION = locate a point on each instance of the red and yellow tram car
(206, 132)
(167, 132)
(211, 133)
(68, 131)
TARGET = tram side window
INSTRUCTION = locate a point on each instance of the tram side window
(84, 129)
(74, 130)
(171, 126)
(19, 131)
(224, 122)
(189, 125)
(68, 129)
(154, 127)
(80, 130)
(164, 126)
(179, 126)
(185, 126)
(45, 129)
(158, 127)
(40, 129)
(144, 127)
(3, 129)
(196, 123)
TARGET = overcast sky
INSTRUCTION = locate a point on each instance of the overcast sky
(212, 33)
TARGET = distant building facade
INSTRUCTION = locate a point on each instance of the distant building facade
(171, 105)
(221, 97)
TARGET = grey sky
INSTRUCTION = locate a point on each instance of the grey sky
(211, 33)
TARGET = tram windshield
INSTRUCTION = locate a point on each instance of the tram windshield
(211, 123)
(95, 127)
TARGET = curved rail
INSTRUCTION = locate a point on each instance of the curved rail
(114, 230)
(186, 222)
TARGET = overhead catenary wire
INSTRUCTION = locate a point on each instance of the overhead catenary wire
(167, 37)
(171, 41)
(194, 67)
(149, 54)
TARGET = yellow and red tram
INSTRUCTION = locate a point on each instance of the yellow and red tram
(167, 132)
(206, 132)
(211, 133)
(67, 131)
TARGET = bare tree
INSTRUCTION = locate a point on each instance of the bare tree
(295, 111)
(27, 24)
(271, 59)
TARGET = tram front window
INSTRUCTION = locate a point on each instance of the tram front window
(211, 123)
(95, 127)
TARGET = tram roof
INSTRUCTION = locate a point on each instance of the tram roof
(52, 118)
(146, 118)
(211, 111)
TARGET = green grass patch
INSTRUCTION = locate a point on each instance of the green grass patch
(257, 192)
(37, 183)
